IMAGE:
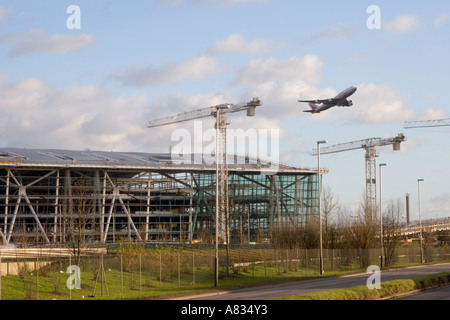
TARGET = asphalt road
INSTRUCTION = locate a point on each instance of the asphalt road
(327, 283)
(439, 294)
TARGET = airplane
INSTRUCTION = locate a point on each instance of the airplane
(317, 106)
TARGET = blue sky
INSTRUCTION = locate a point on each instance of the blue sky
(132, 61)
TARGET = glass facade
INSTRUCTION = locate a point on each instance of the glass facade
(256, 204)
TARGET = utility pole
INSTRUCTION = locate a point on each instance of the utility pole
(320, 205)
(381, 219)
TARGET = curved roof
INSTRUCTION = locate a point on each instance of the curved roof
(22, 157)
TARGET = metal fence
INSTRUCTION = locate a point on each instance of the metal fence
(157, 271)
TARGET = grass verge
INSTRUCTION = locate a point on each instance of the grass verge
(388, 289)
(133, 284)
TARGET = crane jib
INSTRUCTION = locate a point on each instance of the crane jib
(206, 112)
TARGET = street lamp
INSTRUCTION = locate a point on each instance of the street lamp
(420, 221)
(381, 219)
(320, 204)
(218, 125)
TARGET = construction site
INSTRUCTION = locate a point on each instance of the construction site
(49, 195)
(54, 196)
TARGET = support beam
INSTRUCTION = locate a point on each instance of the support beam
(11, 225)
(6, 202)
(38, 223)
(55, 225)
(116, 195)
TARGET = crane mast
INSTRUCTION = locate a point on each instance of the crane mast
(219, 112)
(370, 159)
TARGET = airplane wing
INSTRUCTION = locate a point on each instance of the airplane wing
(316, 101)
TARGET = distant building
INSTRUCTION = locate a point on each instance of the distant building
(48, 197)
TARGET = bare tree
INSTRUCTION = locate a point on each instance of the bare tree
(361, 232)
(330, 207)
(392, 223)
(79, 215)
(306, 237)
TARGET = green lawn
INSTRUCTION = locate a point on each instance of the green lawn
(139, 285)
(153, 277)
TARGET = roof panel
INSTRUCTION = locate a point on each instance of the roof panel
(198, 162)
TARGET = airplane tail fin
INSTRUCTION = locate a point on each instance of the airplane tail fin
(313, 108)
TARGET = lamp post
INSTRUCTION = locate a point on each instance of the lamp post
(381, 219)
(320, 204)
(420, 221)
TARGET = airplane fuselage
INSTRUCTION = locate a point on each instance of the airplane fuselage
(345, 94)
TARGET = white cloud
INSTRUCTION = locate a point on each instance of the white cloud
(280, 99)
(333, 33)
(175, 103)
(441, 20)
(170, 3)
(34, 41)
(4, 13)
(236, 43)
(379, 104)
(36, 115)
(269, 70)
(180, 103)
(227, 3)
(230, 2)
(439, 207)
(196, 68)
(403, 23)
(384, 104)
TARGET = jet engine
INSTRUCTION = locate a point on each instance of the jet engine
(349, 103)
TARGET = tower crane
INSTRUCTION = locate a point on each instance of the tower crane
(369, 145)
(427, 123)
(219, 112)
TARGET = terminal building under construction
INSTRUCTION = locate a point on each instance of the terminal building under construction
(49, 196)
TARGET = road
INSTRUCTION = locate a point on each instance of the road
(327, 283)
(439, 294)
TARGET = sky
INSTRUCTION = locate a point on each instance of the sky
(92, 78)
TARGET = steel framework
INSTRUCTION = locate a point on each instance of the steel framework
(219, 112)
(53, 196)
(427, 123)
(370, 157)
